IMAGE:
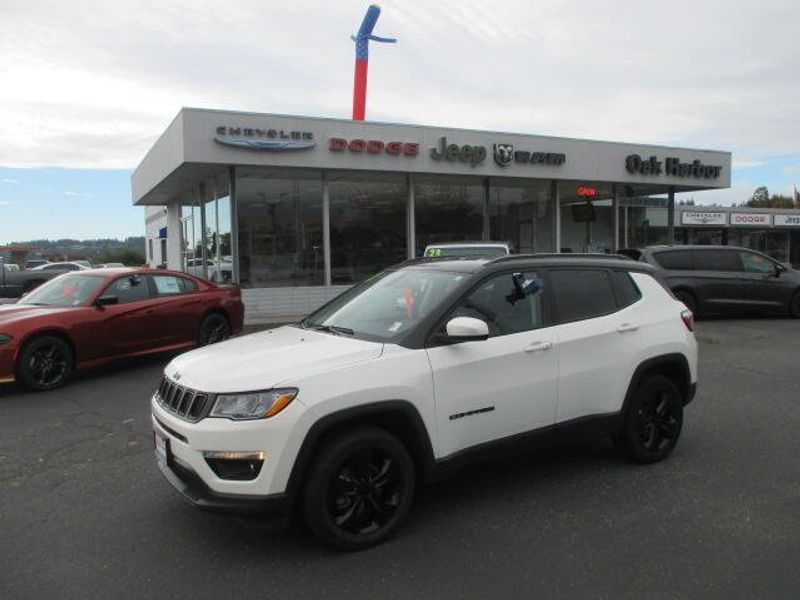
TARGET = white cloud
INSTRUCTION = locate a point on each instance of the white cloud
(72, 194)
(791, 170)
(742, 162)
(4, 203)
(9, 181)
(94, 84)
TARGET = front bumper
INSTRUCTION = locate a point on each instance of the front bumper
(6, 364)
(190, 473)
(198, 494)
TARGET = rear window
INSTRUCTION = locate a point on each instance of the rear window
(627, 291)
(717, 260)
(674, 260)
(582, 293)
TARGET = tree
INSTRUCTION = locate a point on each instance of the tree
(760, 197)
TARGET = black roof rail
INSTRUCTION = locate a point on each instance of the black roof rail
(563, 255)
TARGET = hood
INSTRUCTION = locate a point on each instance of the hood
(11, 314)
(263, 360)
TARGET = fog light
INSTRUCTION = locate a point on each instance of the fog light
(235, 466)
(229, 455)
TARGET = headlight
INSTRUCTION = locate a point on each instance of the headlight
(253, 405)
(5, 339)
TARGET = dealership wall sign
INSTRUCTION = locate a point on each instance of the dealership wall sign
(671, 167)
(751, 219)
(703, 218)
(504, 155)
(786, 220)
(474, 155)
(359, 146)
(270, 140)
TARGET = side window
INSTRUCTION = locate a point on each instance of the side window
(497, 302)
(627, 292)
(168, 285)
(582, 293)
(717, 260)
(188, 285)
(755, 263)
(131, 288)
(674, 260)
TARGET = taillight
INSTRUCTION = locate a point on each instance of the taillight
(688, 319)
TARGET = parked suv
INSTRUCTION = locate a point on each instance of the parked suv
(419, 369)
(725, 279)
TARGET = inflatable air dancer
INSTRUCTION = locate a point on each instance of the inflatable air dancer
(362, 39)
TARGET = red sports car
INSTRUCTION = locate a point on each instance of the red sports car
(86, 318)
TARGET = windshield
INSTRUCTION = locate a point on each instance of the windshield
(66, 290)
(386, 306)
(476, 250)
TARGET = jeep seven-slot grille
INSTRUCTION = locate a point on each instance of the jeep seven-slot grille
(182, 402)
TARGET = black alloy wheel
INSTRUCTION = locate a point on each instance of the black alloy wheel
(360, 490)
(45, 363)
(653, 421)
(213, 329)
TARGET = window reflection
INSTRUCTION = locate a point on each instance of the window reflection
(448, 209)
(523, 216)
(280, 229)
(368, 224)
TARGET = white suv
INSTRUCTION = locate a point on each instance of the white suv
(418, 369)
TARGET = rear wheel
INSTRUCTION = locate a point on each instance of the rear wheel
(45, 363)
(359, 489)
(214, 328)
(688, 299)
(653, 421)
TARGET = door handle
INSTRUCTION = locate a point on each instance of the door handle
(538, 346)
(625, 327)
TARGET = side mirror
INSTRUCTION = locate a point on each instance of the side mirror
(779, 269)
(467, 329)
(106, 300)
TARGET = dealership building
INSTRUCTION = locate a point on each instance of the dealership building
(296, 209)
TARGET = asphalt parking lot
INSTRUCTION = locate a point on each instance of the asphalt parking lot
(84, 512)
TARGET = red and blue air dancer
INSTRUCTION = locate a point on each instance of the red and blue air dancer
(362, 39)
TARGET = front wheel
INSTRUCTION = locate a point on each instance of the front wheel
(359, 489)
(653, 421)
(213, 329)
(45, 363)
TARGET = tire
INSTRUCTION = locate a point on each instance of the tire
(688, 299)
(214, 328)
(653, 421)
(359, 489)
(794, 305)
(45, 363)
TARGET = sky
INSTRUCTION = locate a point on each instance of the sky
(87, 87)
